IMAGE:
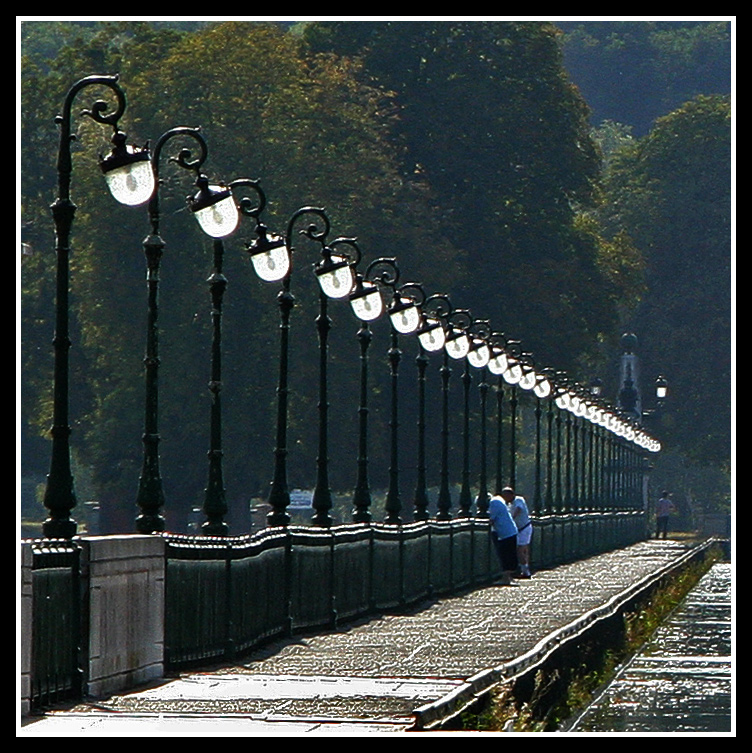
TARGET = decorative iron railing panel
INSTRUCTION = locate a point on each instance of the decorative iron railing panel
(226, 595)
(56, 673)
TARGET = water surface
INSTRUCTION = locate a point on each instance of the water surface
(681, 680)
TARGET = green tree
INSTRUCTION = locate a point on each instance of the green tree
(492, 122)
(633, 72)
(312, 134)
(671, 192)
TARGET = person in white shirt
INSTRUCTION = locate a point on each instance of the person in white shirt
(664, 508)
(518, 509)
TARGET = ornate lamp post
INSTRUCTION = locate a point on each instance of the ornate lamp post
(404, 315)
(272, 259)
(512, 376)
(478, 355)
(367, 304)
(456, 346)
(530, 382)
(543, 390)
(432, 337)
(150, 497)
(497, 365)
(59, 497)
(217, 213)
(336, 278)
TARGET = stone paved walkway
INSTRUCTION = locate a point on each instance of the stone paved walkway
(375, 675)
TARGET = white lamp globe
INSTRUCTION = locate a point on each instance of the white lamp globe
(215, 210)
(542, 387)
(513, 374)
(479, 354)
(528, 380)
(405, 316)
(366, 301)
(431, 335)
(498, 363)
(128, 173)
(336, 277)
(271, 258)
(457, 344)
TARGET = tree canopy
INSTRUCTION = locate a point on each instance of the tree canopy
(671, 192)
(463, 149)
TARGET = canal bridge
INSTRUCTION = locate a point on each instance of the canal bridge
(416, 667)
(101, 614)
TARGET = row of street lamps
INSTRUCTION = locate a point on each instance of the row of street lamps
(132, 174)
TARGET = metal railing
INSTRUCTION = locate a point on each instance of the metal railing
(58, 605)
(226, 595)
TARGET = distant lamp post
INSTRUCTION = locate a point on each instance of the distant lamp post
(59, 497)
(216, 212)
(530, 381)
(431, 338)
(661, 388)
(596, 387)
(478, 357)
(512, 376)
(497, 365)
(405, 318)
(368, 305)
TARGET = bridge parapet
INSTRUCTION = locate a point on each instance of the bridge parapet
(138, 604)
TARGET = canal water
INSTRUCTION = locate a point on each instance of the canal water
(681, 681)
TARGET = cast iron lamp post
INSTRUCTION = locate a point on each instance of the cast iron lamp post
(431, 337)
(216, 211)
(478, 357)
(368, 305)
(59, 497)
(124, 186)
(405, 318)
(431, 333)
(404, 314)
(456, 344)
(497, 365)
(530, 382)
(272, 258)
(336, 276)
(661, 392)
(512, 376)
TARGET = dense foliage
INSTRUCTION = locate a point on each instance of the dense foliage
(672, 192)
(462, 149)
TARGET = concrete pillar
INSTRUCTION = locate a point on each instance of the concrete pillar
(126, 578)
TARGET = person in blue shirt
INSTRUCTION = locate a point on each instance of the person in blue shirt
(504, 537)
(518, 508)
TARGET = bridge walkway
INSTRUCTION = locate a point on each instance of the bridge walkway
(383, 675)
